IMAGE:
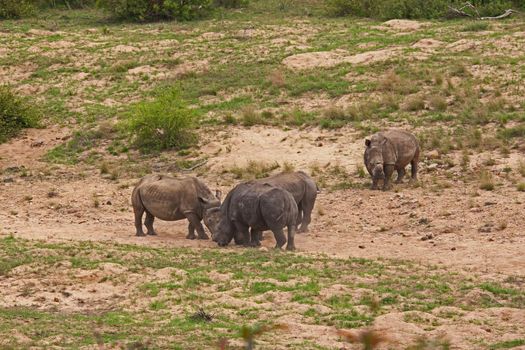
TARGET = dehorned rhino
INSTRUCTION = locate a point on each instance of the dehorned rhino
(303, 189)
(388, 151)
(170, 199)
(259, 207)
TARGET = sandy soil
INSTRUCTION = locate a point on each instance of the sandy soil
(459, 226)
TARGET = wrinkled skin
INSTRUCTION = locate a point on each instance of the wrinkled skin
(172, 199)
(389, 151)
(251, 208)
(304, 191)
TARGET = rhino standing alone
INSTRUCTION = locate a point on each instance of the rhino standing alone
(303, 189)
(389, 151)
(172, 199)
(260, 207)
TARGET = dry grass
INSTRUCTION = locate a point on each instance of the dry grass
(277, 78)
(253, 170)
(486, 181)
(438, 103)
(414, 103)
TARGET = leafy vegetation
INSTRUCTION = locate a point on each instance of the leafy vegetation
(16, 113)
(387, 9)
(164, 123)
(12, 9)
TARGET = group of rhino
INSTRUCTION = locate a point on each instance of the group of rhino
(285, 200)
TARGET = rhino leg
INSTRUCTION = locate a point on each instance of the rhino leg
(374, 184)
(291, 235)
(238, 238)
(148, 222)
(280, 239)
(299, 215)
(389, 170)
(191, 231)
(307, 209)
(413, 169)
(256, 237)
(400, 175)
(139, 212)
(245, 233)
(196, 222)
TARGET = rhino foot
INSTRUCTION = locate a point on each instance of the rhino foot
(290, 247)
(140, 234)
(190, 236)
(152, 233)
(205, 236)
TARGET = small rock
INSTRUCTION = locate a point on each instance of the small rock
(37, 143)
(361, 247)
(427, 237)
(434, 154)
(424, 221)
(453, 248)
(432, 166)
(487, 203)
(108, 203)
(320, 144)
(486, 228)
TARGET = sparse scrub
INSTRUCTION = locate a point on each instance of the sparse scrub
(147, 10)
(521, 168)
(13, 9)
(521, 187)
(387, 9)
(277, 79)
(250, 116)
(486, 181)
(475, 27)
(15, 114)
(164, 123)
(253, 170)
(438, 103)
(414, 103)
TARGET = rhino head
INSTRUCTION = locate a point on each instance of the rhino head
(220, 227)
(374, 147)
(211, 212)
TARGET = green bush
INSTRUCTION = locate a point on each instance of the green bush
(388, 9)
(15, 114)
(66, 3)
(164, 123)
(147, 10)
(231, 3)
(13, 9)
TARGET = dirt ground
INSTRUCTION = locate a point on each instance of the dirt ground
(446, 221)
(459, 226)
(478, 235)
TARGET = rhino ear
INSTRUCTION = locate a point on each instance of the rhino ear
(367, 142)
(218, 194)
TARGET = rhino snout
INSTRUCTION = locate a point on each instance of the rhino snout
(378, 171)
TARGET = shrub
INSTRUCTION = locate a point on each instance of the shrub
(12, 9)
(388, 9)
(164, 123)
(231, 3)
(15, 114)
(147, 10)
(66, 3)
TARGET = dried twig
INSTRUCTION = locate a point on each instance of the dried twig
(461, 13)
(506, 14)
(198, 165)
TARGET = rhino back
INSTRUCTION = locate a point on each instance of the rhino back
(405, 146)
(277, 208)
(169, 198)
